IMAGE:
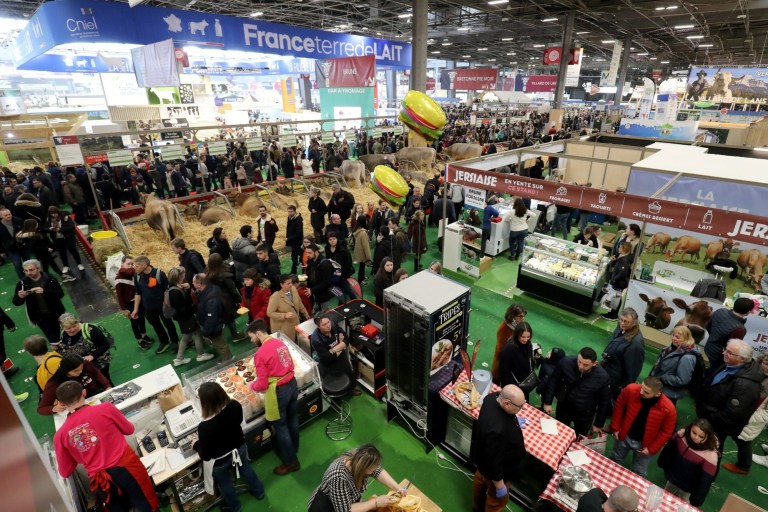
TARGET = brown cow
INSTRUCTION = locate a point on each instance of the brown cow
(420, 158)
(697, 317)
(353, 172)
(211, 214)
(159, 215)
(249, 205)
(660, 241)
(657, 314)
(685, 245)
(463, 151)
(713, 249)
(371, 161)
(752, 262)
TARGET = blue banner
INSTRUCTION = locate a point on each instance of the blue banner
(78, 21)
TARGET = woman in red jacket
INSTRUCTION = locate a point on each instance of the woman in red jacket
(255, 295)
(643, 421)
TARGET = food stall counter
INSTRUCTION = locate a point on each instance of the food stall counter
(606, 474)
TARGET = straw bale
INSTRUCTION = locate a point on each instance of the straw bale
(103, 249)
(144, 240)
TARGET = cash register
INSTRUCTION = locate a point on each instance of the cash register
(182, 420)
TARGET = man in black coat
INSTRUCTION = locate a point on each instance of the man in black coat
(331, 348)
(498, 448)
(294, 236)
(320, 276)
(341, 202)
(192, 261)
(581, 386)
(268, 266)
(210, 314)
(729, 397)
(10, 226)
(45, 196)
(42, 296)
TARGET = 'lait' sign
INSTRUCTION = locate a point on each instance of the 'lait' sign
(691, 217)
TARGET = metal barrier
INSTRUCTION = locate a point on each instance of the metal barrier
(117, 226)
(226, 200)
(179, 219)
(260, 186)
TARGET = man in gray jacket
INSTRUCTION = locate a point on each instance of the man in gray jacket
(244, 251)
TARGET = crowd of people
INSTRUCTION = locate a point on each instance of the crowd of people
(605, 394)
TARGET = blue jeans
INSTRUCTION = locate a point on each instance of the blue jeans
(639, 461)
(561, 221)
(517, 242)
(287, 427)
(223, 477)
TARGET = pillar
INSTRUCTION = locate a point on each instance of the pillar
(391, 88)
(305, 90)
(623, 67)
(419, 46)
(567, 42)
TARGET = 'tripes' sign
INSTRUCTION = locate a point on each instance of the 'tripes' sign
(352, 72)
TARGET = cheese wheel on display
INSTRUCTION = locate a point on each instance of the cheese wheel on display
(389, 185)
(422, 115)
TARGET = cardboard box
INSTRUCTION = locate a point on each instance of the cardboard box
(485, 264)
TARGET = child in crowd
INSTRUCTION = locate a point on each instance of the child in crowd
(255, 294)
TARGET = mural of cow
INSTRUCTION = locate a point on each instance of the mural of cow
(657, 313)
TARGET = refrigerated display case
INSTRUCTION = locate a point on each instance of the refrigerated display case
(562, 272)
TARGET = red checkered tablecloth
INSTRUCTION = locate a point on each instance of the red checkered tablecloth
(547, 448)
(607, 475)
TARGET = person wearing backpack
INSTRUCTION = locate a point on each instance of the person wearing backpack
(338, 253)
(48, 362)
(89, 341)
(676, 364)
(191, 260)
(320, 278)
(180, 306)
(150, 284)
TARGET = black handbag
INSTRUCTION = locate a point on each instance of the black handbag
(529, 383)
(321, 503)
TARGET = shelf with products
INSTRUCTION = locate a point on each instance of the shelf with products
(562, 272)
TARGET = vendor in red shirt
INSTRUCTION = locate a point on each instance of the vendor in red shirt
(274, 377)
(94, 436)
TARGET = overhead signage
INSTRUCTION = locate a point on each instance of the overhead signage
(287, 140)
(554, 55)
(346, 105)
(727, 84)
(68, 149)
(351, 71)
(536, 83)
(573, 71)
(398, 130)
(288, 93)
(608, 76)
(120, 157)
(659, 129)
(674, 214)
(171, 152)
(469, 79)
(217, 148)
(77, 21)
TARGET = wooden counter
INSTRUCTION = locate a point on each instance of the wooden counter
(427, 505)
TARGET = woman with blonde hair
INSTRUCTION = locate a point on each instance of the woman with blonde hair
(675, 364)
(346, 479)
(87, 341)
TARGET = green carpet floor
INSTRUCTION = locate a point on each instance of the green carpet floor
(404, 454)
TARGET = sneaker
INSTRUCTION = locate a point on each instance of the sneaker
(80, 267)
(162, 349)
(765, 448)
(760, 459)
(22, 396)
(65, 270)
(66, 278)
(179, 362)
(204, 357)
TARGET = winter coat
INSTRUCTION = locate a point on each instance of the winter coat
(28, 207)
(729, 404)
(622, 268)
(279, 305)
(661, 418)
(270, 230)
(210, 313)
(184, 310)
(320, 273)
(124, 289)
(674, 367)
(381, 282)
(220, 247)
(516, 362)
(341, 256)
(193, 263)
(230, 296)
(243, 254)
(362, 246)
(623, 357)
(586, 394)
(757, 421)
(294, 232)
(687, 468)
(503, 335)
(8, 241)
(383, 249)
(417, 233)
(342, 203)
(724, 325)
(257, 303)
(270, 270)
(52, 295)
(317, 218)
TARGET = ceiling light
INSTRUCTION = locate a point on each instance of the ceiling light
(446, 44)
(256, 14)
(511, 53)
(681, 27)
(464, 29)
(659, 8)
(466, 56)
(695, 37)
(608, 41)
(378, 33)
(652, 58)
(671, 7)
(581, 33)
(539, 46)
(498, 2)
(406, 15)
(491, 60)
(531, 58)
(482, 49)
(436, 52)
(547, 20)
(664, 62)
(706, 45)
(342, 26)
(741, 16)
(642, 54)
(507, 38)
